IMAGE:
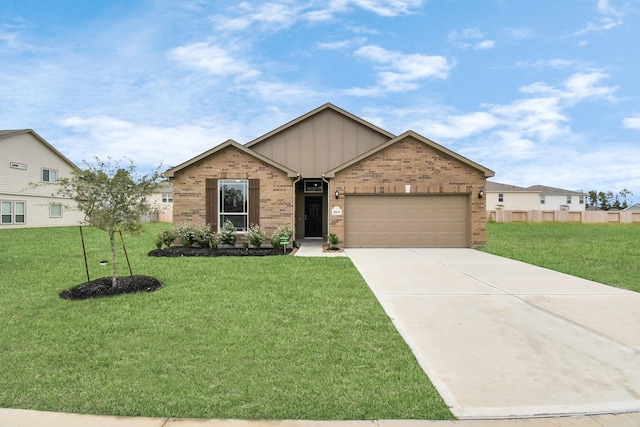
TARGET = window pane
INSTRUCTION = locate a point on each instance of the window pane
(6, 213)
(233, 196)
(240, 221)
(19, 207)
(53, 176)
(55, 210)
(45, 175)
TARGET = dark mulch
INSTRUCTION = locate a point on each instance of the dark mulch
(179, 251)
(102, 287)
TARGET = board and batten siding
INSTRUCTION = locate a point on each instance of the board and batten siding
(320, 143)
(26, 149)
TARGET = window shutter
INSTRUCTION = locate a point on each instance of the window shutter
(254, 201)
(211, 203)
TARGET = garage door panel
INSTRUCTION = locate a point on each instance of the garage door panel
(407, 221)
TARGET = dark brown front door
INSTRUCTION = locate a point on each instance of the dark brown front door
(313, 216)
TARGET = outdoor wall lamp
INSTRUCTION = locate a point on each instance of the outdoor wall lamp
(481, 193)
(337, 194)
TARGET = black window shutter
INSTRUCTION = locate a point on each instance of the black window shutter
(211, 201)
(254, 201)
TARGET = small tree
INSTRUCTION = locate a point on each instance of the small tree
(113, 198)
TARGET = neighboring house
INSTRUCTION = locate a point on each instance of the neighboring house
(633, 207)
(329, 171)
(511, 197)
(536, 197)
(558, 199)
(161, 202)
(27, 159)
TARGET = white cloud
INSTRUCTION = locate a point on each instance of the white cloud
(632, 122)
(342, 44)
(611, 18)
(577, 86)
(212, 59)
(388, 7)
(274, 14)
(399, 72)
(470, 38)
(148, 146)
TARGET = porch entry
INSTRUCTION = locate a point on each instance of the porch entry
(313, 216)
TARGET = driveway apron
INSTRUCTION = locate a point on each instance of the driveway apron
(500, 338)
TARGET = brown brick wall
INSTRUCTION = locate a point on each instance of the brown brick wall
(409, 161)
(276, 197)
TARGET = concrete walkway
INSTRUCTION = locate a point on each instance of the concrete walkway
(500, 338)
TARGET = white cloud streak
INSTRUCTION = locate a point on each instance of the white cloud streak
(631, 122)
(399, 72)
(213, 60)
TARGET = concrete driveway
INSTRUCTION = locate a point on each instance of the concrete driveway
(501, 338)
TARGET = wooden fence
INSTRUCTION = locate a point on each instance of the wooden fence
(592, 217)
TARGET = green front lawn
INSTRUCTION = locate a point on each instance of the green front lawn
(605, 253)
(275, 337)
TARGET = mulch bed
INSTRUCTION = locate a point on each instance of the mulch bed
(102, 287)
(179, 251)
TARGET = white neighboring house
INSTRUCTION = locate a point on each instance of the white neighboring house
(25, 159)
(161, 202)
(510, 197)
(558, 199)
(536, 197)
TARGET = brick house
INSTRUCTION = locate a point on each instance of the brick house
(329, 171)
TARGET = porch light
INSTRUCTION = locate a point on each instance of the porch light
(481, 193)
(337, 194)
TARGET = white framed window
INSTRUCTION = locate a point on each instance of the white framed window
(55, 210)
(49, 175)
(12, 212)
(581, 200)
(20, 166)
(233, 203)
(500, 197)
(568, 200)
(542, 200)
(167, 197)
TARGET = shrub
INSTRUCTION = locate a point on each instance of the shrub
(283, 231)
(205, 236)
(228, 234)
(166, 238)
(187, 234)
(333, 241)
(255, 235)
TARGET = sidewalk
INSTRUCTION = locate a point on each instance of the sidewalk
(27, 418)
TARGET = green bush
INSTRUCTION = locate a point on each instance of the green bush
(166, 238)
(228, 234)
(187, 234)
(205, 237)
(333, 241)
(283, 231)
(255, 235)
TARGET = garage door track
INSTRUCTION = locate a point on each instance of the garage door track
(501, 338)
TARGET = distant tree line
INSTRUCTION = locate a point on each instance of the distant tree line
(607, 200)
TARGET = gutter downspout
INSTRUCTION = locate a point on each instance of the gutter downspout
(328, 203)
(293, 193)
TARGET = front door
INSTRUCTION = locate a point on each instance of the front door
(313, 216)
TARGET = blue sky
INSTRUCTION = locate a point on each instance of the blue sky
(540, 91)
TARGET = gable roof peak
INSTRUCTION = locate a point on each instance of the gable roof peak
(229, 142)
(323, 107)
(487, 172)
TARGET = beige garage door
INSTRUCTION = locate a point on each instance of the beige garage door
(407, 221)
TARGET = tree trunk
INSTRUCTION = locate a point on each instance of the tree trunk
(112, 240)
